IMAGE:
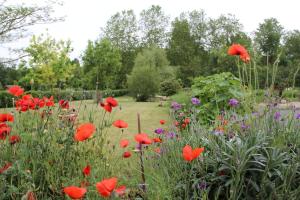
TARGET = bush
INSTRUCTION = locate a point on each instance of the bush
(291, 93)
(215, 91)
(6, 100)
(143, 83)
(169, 87)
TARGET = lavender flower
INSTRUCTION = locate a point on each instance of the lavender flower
(244, 126)
(277, 115)
(298, 116)
(171, 135)
(233, 102)
(159, 131)
(176, 106)
(195, 101)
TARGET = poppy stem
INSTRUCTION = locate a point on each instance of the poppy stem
(141, 156)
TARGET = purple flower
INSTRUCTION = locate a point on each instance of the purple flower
(171, 135)
(159, 131)
(277, 115)
(233, 102)
(195, 101)
(298, 116)
(244, 126)
(175, 105)
(202, 185)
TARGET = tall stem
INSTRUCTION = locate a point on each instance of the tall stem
(141, 156)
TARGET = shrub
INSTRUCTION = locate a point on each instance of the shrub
(291, 93)
(169, 87)
(143, 83)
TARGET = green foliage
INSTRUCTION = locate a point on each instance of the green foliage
(215, 91)
(169, 87)
(143, 83)
(291, 94)
(101, 65)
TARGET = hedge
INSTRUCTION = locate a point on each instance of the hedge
(6, 100)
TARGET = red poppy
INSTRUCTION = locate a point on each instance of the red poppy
(84, 131)
(120, 190)
(187, 120)
(126, 154)
(183, 126)
(64, 104)
(124, 143)
(39, 102)
(189, 154)
(176, 123)
(4, 131)
(14, 139)
(6, 117)
(111, 101)
(30, 196)
(142, 138)
(162, 122)
(26, 103)
(87, 170)
(74, 192)
(5, 167)
(120, 124)
(106, 186)
(16, 90)
(239, 50)
(49, 102)
(106, 107)
(157, 140)
(157, 150)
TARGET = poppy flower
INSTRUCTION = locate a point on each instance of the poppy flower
(162, 122)
(187, 120)
(106, 186)
(14, 139)
(64, 104)
(189, 154)
(126, 154)
(15, 90)
(6, 117)
(120, 124)
(111, 101)
(120, 190)
(74, 192)
(142, 138)
(239, 50)
(84, 131)
(49, 102)
(25, 103)
(87, 170)
(5, 167)
(124, 143)
(4, 131)
(157, 140)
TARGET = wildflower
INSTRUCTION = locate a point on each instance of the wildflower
(157, 150)
(106, 186)
(233, 102)
(120, 124)
(239, 50)
(195, 101)
(176, 106)
(189, 154)
(84, 131)
(124, 143)
(5, 167)
(14, 139)
(49, 102)
(4, 131)
(64, 104)
(110, 103)
(298, 116)
(75, 192)
(244, 126)
(162, 122)
(171, 135)
(143, 138)
(126, 154)
(6, 117)
(120, 190)
(157, 140)
(159, 131)
(277, 115)
(15, 90)
(187, 120)
(86, 170)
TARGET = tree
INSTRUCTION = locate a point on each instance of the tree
(101, 65)
(121, 29)
(15, 19)
(49, 62)
(153, 27)
(268, 37)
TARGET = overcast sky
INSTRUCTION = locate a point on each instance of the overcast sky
(84, 18)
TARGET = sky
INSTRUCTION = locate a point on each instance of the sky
(84, 19)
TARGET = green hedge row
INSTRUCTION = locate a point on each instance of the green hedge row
(6, 100)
